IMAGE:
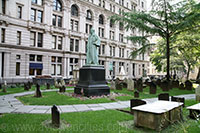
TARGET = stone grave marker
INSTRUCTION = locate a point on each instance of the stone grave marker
(165, 85)
(62, 89)
(153, 88)
(163, 96)
(5, 86)
(0, 86)
(26, 87)
(178, 99)
(29, 85)
(48, 86)
(197, 92)
(38, 92)
(112, 85)
(55, 116)
(140, 85)
(158, 82)
(118, 84)
(175, 84)
(188, 85)
(136, 94)
(136, 102)
(130, 84)
(181, 86)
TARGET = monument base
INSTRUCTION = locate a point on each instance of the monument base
(92, 81)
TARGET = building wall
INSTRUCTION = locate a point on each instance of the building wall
(12, 25)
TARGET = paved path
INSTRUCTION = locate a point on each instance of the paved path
(9, 104)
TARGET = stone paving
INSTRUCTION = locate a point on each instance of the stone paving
(9, 104)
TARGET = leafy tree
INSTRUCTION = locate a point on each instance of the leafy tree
(166, 19)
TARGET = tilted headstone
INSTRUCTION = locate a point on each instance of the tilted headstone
(112, 85)
(197, 92)
(62, 89)
(188, 85)
(48, 86)
(118, 84)
(181, 86)
(136, 94)
(55, 116)
(38, 92)
(163, 96)
(136, 102)
(178, 99)
(153, 88)
(130, 84)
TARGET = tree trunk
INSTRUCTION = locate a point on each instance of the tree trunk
(198, 75)
(168, 57)
(188, 72)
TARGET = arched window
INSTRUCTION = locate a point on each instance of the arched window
(89, 15)
(74, 10)
(101, 19)
(57, 5)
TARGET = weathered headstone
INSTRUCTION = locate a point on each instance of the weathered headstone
(181, 86)
(26, 88)
(140, 85)
(163, 96)
(197, 92)
(29, 85)
(38, 92)
(178, 99)
(118, 84)
(48, 86)
(5, 86)
(153, 88)
(136, 102)
(188, 85)
(158, 82)
(130, 84)
(136, 94)
(112, 85)
(165, 85)
(55, 116)
(62, 89)
(175, 84)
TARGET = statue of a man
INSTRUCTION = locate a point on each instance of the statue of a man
(92, 52)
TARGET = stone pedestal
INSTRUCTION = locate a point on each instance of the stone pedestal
(92, 81)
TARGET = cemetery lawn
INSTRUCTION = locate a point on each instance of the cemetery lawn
(92, 121)
(51, 98)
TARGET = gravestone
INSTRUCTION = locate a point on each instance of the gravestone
(5, 86)
(181, 86)
(26, 88)
(136, 102)
(178, 99)
(158, 82)
(38, 92)
(153, 88)
(136, 94)
(48, 86)
(112, 85)
(0, 86)
(175, 84)
(130, 84)
(163, 96)
(55, 116)
(165, 85)
(140, 85)
(29, 85)
(197, 92)
(188, 85)
(118, 84)
(62, 89)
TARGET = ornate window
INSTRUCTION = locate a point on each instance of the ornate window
(74, 10)
(57, 5)
(101, 19)
(89, 15)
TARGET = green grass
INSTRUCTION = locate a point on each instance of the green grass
(145, 93)
(19, 89)
(89, 122)
(51, 98)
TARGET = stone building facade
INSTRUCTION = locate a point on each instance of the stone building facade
(49, 37)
